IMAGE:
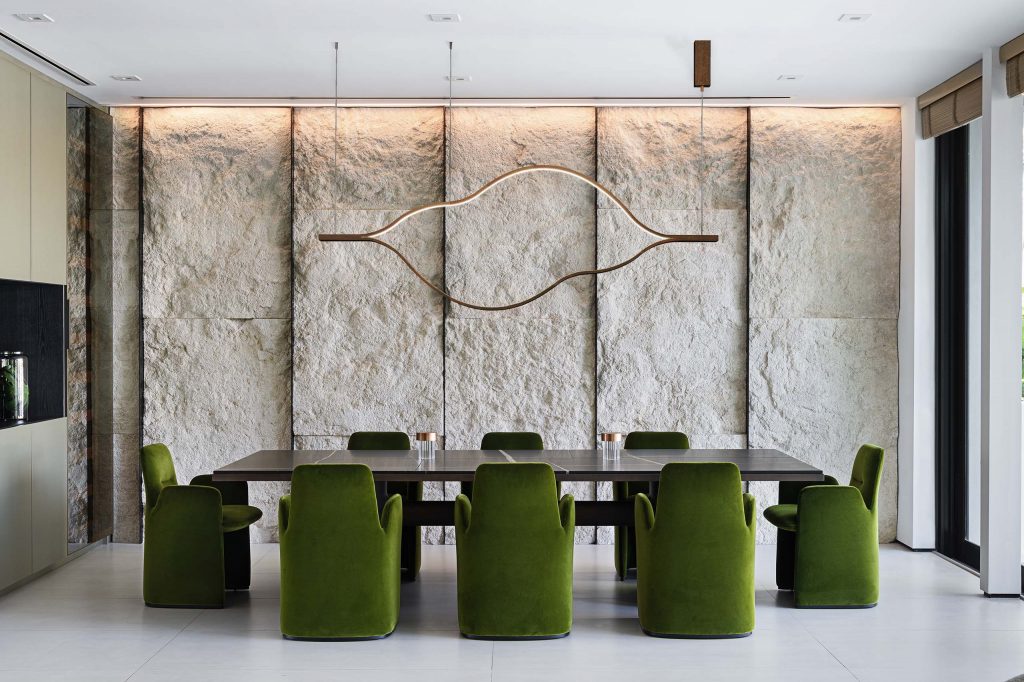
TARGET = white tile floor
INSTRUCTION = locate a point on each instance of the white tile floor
(86, 621)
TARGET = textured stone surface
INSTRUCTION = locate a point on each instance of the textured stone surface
(78, 317)
(825, 190)
(819, 388)
(368, 350)
(217, 208)
(672, 328)
(532, 368)
(127, 488)
(386, 158)
(126, 157)
(217, 390)
(532, 229)
(651, 157)
(824, 245)
(125, 327)
(522, 375)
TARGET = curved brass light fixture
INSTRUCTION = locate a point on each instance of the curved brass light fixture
(373, 236)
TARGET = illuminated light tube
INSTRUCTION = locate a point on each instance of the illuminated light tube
(663, 238)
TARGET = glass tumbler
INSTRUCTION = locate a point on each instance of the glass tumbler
(426, 446)
(611, 446)
(13, 385)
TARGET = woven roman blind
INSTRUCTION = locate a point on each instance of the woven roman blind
(951, 104)
(1013, 54)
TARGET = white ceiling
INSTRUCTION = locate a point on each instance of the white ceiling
(521, 48)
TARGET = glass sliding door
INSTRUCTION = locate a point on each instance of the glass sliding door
(956, 344)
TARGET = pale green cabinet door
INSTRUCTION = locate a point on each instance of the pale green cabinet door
(15, 504)
(49, 492)
(15, 218)
(49, 183)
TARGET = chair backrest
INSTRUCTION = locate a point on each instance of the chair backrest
(704, 495)
(326, 496)
(379, 440)
(656, 440)
(157, 471)
(521, 497)
(867, 473)
(512, 440)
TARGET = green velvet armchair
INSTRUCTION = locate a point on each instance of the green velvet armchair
(625, 537)
(195, 545)
(827, 550)
(505, 440)
(514, 544)
(695, 557)
(412, 538)
(340, 562)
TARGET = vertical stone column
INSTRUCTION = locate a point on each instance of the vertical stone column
(368, 351)
(672, 327)
(124, 264)
(824, 278)
(530, 368)
(217, 288)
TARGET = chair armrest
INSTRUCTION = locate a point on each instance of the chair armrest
(789, 491)
(391, 515)
(643, 512)
(231, 492)
(463, 513)
(284, 511)
(567, 514)
(750, 510)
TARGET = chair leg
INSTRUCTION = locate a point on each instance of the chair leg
(237, 560)
(785, 560)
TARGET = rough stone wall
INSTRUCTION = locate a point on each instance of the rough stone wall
(125, 325)
(368, 350)
(368, 337)
(78, 313)
(672, 327)
(530, 368)
(217, 288)
(824, 281)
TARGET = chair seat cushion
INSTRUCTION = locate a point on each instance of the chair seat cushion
(783, 516)
(239, 516)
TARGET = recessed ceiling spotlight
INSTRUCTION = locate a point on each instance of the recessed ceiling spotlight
(34, 17)
(127, 78)
(854, 18)
(789, 77)
(445, 17)
(459, 79)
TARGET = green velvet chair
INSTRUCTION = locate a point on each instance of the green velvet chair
(193, 545)
(340, 561)
(412, 537)
(625, 537)
(695, 558)
(827, 550)
(505, 440)
(514, 544)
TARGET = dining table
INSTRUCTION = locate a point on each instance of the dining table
(633, 466)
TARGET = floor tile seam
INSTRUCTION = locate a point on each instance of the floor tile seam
(166, 644)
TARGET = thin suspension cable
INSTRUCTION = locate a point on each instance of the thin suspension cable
(334, 202)
(703, 170)
(451, 115)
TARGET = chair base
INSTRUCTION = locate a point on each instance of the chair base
(370, 638)
(183, 606)
(525, 638)
(664, 635)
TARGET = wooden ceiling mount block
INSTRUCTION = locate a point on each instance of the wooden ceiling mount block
(702, 64)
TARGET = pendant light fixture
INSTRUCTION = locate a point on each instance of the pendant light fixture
(662, 237)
